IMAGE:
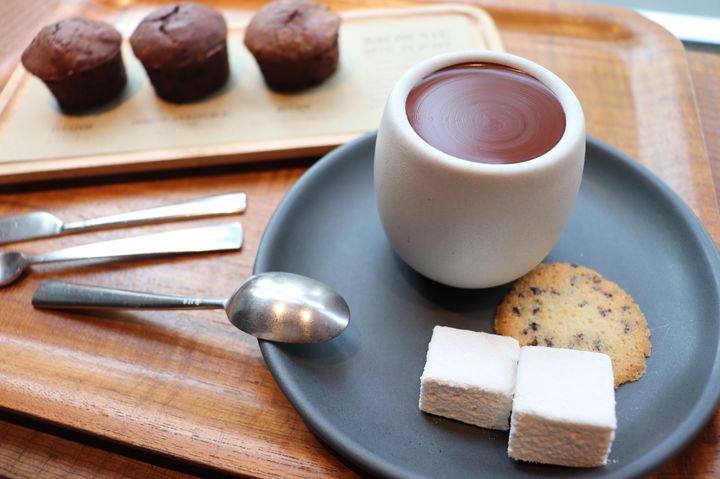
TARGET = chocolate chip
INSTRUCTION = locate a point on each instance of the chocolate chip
(576, 340)
(625, 307)
(555, 292)
(604, 311)
(534, 326)
(607, 294)
(516, 310)
(524, 331)
(583, 303)
(596, 279)
(598, 345)
(534, 342)
(573, 265)
(521, 295)
(549, 343)
(627, 327)
(535, 290)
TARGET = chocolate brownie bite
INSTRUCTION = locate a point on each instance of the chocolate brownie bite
(183, 48)
(295, 43)
(79, 60)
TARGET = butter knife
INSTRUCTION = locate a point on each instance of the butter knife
(41, 224)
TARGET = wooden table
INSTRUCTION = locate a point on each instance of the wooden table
(34, 448)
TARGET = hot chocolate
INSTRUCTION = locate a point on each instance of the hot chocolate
(486, 112)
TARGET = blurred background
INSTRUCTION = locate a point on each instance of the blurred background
(696, 22)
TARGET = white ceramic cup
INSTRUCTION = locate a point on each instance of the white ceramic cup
(469, 224)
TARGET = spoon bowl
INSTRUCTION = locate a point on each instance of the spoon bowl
(288, 307)
(12, 265)
(276, 306)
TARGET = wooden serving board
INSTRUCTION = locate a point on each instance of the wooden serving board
(190, 386)
(244, 121)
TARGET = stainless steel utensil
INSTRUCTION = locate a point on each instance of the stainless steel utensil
(192, 240)
(41, 224)
(283, 307)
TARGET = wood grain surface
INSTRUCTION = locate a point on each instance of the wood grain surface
(146, 394)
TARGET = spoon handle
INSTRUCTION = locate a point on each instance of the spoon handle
(210, 206)
(64, 295)
(192, 240)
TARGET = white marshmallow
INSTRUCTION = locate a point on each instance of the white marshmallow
(470, 376)
(564, 407)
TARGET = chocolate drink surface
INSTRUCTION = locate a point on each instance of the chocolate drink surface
(486, 113)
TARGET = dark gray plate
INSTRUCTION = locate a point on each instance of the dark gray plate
(359, 392)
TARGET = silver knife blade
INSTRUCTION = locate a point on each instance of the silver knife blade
(42, 224)
(39, 224)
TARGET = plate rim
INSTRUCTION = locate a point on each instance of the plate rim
(705, 404)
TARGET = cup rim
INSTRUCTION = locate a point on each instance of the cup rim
(574, 116)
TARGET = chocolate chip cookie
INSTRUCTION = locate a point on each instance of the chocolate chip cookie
(570, 306)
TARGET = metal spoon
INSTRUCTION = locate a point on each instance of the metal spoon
(191, 240)
(283, 307)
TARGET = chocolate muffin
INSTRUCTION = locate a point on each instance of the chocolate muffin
(183, 48)
(295, 43)
(79, 60)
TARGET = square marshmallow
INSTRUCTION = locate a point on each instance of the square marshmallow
(564, 407)
(470, 376)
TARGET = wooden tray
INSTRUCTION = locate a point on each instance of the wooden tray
(245, 121)
(189, 385)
